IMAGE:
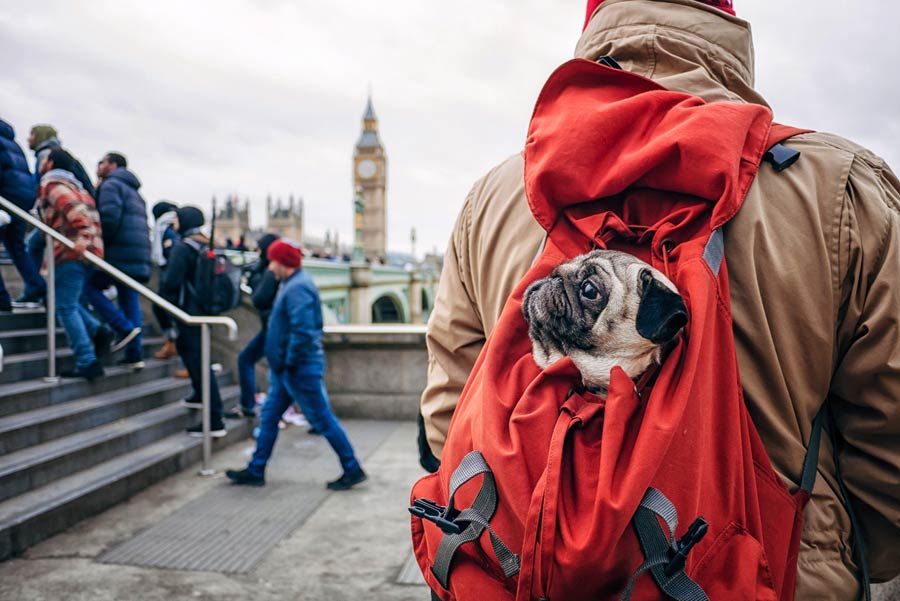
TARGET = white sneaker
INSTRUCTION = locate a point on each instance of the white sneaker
(122, 342)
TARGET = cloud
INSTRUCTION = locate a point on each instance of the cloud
(266, 97)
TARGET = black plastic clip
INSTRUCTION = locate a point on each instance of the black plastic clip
(431, 511)
(695, 532)
(781, 156)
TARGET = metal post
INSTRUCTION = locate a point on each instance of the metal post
(205, 380)
(50, 307)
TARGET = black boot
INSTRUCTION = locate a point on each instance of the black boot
(348, 480)
(91, 372)
(245, 478)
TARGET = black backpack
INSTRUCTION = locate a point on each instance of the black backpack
(216, 285)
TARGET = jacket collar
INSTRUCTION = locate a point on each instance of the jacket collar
(683, 45)
(61, 175)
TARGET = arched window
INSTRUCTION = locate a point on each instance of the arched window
(386, 310)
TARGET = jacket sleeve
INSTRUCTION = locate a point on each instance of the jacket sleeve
(176, 271)
(455, 336)
(865, 389)
(301, 323)
(263, 296)
(110, 204)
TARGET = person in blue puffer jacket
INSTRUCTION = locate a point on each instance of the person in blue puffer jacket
(296, 370)
(17, 185)
(126, 240)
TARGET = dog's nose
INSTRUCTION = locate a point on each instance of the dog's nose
(669, 328)
(661, 313)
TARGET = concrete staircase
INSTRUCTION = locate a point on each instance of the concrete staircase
(72, 449)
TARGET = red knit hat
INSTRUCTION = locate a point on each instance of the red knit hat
(725, 5)
(285, 253)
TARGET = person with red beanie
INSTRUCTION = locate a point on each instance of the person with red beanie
(293, 348)
(813, 261)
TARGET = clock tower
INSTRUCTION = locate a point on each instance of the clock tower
(370, 179)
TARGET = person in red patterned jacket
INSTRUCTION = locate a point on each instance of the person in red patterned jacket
(65, 205)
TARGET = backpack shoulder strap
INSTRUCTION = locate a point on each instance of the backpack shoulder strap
(194, 244)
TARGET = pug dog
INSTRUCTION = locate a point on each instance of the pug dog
(603, 309)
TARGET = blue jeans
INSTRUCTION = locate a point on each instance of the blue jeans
(247, 360)
(13, 236)
(69, 281)
(122, 321)
(308, 391)
(34, 246)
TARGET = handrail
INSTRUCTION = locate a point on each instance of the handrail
(204, 321)
(125, 278)
(383, 328)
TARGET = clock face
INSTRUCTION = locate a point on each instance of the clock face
(366, 168)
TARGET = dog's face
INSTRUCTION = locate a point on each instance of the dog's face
(603, 309)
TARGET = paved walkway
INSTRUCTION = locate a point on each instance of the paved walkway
(329, 546)
(351, 545)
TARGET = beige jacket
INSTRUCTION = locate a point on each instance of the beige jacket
(814, 263)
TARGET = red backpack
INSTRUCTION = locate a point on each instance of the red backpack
(662, 489)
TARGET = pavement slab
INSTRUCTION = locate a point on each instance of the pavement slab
(351, 545)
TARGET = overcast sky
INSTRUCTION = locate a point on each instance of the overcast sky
(266, 96)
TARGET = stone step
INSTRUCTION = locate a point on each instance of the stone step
(27, 366)
(27, 341)
(31, 428)
(30, 518)
(20, 319)
(29, 395)
(39, 465)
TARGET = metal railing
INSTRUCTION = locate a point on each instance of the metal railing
(204, 321)
(350, 329)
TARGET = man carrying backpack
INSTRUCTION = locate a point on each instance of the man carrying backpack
(175, 287)
(293, 346)
(813, 262)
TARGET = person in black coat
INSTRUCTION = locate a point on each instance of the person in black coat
(17, 185)
(264, 285)
(180, 270)
(126, 241)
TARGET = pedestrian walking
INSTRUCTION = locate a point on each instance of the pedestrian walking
(126, 241)
(65, 205)
(264, 285)
(180, 269)
(165, 236)
(17, 185)
(296, 359)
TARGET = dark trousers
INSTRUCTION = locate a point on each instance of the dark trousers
(247, 360)
(188, 345)
(13, 236)
(162, 316)
(122, 319)
(308, 391)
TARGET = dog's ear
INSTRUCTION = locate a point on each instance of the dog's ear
(661, 312)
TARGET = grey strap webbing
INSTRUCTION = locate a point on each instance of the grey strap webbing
(656, 546)
(714, 251)
(478, 516)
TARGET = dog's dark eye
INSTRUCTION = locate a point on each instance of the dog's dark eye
(589, 291)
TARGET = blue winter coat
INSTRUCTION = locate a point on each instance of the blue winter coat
(294, 335)
(123, 215)
(16, 182)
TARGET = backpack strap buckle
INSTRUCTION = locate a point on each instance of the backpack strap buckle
(431, 511)
(696, 531)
